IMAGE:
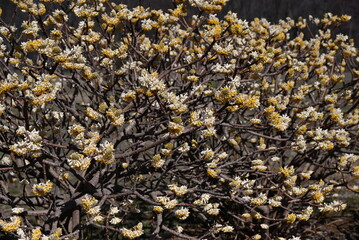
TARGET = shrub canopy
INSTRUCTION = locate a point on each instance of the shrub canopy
(152, 124)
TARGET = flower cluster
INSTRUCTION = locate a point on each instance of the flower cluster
(31, 144)
(132, 233)
(142, 122)
(42, 189)
(12, 225)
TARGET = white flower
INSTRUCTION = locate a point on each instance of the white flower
(182, 213)
(134, 232)
(335, 206)
(98, 219)
(264, 226)
(114, 210)
(6, 161)
(212, 208)
(179, 229)
(93, 211)
(17, 210)
(184, 148)
(179, 191)
(115, 220)
(275, 159)
(227, 229)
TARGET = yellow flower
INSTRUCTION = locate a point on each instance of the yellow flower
(318, 197)
(345, 18)
(132, 233)
(42, 189)
(56, 235)
(260, 200)
(157, 209)
(175, 129)
(167, 203)
(195, 119)
(179, 191)
(12, 225)
(355, 171)
(212, 209)
(116, 116)
(106, 154)
(36, 234)
(78, 161)
(92, 114)
(128, 96)
(182, 213)
(286, 171)
(291, 218)
(88, 202)
(213, 173)
(157, 161)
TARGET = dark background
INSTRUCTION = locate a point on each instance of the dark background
(273, 10)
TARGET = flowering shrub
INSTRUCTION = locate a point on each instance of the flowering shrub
(155, 124)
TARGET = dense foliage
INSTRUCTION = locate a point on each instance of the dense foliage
(151, 124)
